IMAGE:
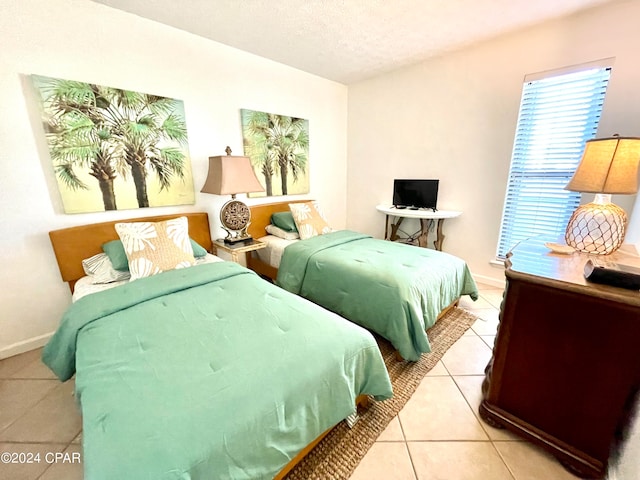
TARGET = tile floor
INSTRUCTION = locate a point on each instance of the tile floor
(437, 435)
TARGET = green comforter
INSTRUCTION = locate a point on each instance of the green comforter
(208, 373)
(392, 289)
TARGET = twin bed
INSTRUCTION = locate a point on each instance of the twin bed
(395, 290)
(212, 372)
(203, 372)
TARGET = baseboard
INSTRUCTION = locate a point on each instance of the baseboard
(494, 282)
(25, 346)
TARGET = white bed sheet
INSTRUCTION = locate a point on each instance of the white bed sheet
(84, 285)
(272, 253)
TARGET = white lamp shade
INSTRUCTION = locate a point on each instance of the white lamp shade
(608, 165)
(229, 175)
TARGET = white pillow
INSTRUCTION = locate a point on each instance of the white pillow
(153, 248)
(100, 270)
(278, 232)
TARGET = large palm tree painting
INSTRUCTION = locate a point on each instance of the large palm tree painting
(115, 149)
(279, 150)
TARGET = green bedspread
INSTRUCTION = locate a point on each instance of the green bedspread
(392, 289)
(208, 373)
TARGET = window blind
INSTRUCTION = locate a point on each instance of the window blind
(558, 114)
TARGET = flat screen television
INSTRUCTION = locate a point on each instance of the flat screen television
(415, 193)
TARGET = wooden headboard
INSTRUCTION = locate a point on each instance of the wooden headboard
(261, 215)
(260, 218)
(74, 244)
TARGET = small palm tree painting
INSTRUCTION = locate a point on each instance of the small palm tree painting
(278, 147)
(114, 149)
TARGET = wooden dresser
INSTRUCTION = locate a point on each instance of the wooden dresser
(565, 370)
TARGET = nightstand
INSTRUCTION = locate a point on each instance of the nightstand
(235, 250)
(564, 372)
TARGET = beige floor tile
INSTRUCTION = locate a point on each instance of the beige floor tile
(11, 365)
(458, 461)
(489, 340)
(494, 297)
(438, 370)
(528, 462)
(17, 396)
(66, 467)
(35, 369)
(438, 411)
(468, 356)
(469, 333)
(393, 432)
(467, 303)
(485, 286)
(471, 388)
(385, 461)
(487, 323)
(56, 418)
(36, 454)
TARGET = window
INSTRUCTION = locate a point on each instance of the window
(558, 114)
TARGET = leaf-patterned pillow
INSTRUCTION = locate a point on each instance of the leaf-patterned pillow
(153, 248)
(100, 269)
(309, 220)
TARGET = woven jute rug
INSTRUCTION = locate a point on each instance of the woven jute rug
(339, 453)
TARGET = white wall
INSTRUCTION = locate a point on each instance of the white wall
(454, 118)
(632, 238)
(82, 40)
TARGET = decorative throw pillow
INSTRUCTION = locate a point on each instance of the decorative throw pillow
(309, 220)
(115, 251)
(198, 250)
(153, 248)
(284, 220)
(278, 232)
(100, 270)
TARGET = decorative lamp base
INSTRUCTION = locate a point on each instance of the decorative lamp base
(235, 217)
(596, 228)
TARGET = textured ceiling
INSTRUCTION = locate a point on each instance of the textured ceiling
(350, 40)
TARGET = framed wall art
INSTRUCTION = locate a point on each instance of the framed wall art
(114, 149)
(278, 147)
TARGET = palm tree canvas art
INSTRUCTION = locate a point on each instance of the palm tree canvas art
(278, 147)
(114, 149)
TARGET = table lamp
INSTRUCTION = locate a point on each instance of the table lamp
(608, 166)
(229, 175)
